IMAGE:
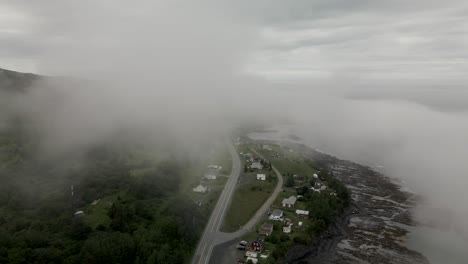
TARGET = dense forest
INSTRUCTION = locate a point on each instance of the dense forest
(95, 210)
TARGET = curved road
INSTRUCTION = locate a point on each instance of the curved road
(210, 236)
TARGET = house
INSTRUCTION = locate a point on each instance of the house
(214, 167)
(210, 176)
(256, 165)
(261, 177)
(299, 224)
(266, 229)
(315, 189)
(289, 202)
(276, 215)
(251, 254)
(315, 176)
(255, 246)
(302, 212)
(287, 228)
(79, 213)
(323, 188)
(247, 155)
(253, 260)
(267, 147)
(200, 189)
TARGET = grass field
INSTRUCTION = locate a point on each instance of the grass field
(246, 201)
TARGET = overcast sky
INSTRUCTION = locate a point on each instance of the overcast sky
(410, 57)
(302, 39)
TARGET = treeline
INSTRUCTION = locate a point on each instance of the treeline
(150, 222)
(324, 207)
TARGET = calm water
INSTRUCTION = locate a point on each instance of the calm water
(440, 247)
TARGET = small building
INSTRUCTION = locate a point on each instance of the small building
(267, 147)
(287, 228)
(323, 188)
(256, 165)
(214, 167)
(289, 202)
(276, 215)
(315, 189)
(299, 224)
(200, 189)
(210, 176)
(79, 213)
(315, 176)
(247, 155)
(261, 177)
(302, 212)
(256, 246)
(252, 259)
(266, 229)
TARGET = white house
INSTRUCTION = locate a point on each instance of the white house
(315, 189)
(315, 176)
(210, 176)
(215, 167)
(261, 177)
(256, 165)
(267, 147)
(289, 202)
(287, 229)
(276, 215)
(200, 189)
(79, 213)
(251, 254)
(254, 260)
(300, 224)
(302, 212)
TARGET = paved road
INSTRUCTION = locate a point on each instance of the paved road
(211, 235)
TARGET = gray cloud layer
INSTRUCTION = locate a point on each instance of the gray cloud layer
(180, 63)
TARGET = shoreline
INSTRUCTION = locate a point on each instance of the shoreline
(370, 229)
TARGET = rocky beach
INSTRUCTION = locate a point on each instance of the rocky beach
(372, 229)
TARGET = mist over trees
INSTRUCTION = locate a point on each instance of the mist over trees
(144, 219)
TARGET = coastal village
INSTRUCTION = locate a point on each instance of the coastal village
(288, 218)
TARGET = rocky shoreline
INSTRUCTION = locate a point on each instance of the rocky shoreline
(372, 229)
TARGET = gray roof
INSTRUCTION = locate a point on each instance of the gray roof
(291, 200)
(277, 213)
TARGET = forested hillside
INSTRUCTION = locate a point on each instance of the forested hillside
(108, 203)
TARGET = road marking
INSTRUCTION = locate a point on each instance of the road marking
(201, 255)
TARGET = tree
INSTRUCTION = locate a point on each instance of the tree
(290, 181)
(111, 247)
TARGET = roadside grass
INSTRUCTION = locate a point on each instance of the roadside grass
(222, 157)
(246, 201)
(298, 167)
